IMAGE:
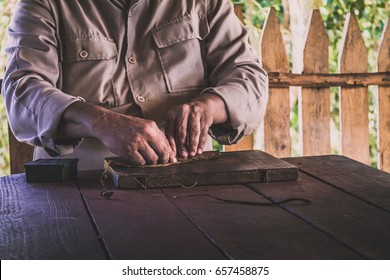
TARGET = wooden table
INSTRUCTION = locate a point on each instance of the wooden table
(348, 218)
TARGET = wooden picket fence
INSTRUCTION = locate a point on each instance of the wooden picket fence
(314, 100)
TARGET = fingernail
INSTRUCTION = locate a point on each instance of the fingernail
(192, 153)
(200, 151)
(184, 154)
(174, 160)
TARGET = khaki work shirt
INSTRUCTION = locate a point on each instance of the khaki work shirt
(134, 57)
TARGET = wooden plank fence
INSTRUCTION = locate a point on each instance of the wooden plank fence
(314, 98)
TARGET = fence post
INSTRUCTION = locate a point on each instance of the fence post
(383, 64)
(354, 100)
(245, 143)
(315, 102)
(277, 140)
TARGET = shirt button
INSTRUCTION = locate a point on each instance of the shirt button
(83, 54)
(141, 99)
(132, 60)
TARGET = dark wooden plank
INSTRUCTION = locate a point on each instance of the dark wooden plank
(367, 183)
(357, 224)
(20, 153)
(144, 224)
(45, 221)
(222, 168)
(252, 231)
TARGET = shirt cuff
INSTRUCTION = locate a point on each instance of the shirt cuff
(49, 119)
(228, 134)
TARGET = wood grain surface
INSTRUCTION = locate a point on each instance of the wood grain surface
(384, 102)
(347, 217)
(227, 168)
(353, 177)
(337, 214)
(254, 232)
(45, 221)
(144, 224)
(354, 101)
(277, 140)
(315, 102)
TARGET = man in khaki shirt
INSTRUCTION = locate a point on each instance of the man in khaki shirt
(117, 72)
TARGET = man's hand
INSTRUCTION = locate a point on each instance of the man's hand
(135, 139)
(139, 140)
(187, 125)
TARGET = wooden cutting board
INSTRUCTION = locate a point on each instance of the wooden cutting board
(211, 168)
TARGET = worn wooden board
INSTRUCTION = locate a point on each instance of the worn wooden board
(246, 143)
(20, 154)
(252, 231)
(337, 214)
(45, 221)
(144, 224)
(315, 102)
(354, 101)
(277, 140)
(227, 168)
(367, 183)
(384, 102)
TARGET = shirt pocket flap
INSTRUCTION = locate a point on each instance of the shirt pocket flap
(89, 48)
(189, 27)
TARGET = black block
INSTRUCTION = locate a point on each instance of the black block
(51, 170)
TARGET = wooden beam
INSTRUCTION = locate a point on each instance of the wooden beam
(323, 80)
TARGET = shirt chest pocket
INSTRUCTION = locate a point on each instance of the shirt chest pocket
(87, 69)
(182, 53)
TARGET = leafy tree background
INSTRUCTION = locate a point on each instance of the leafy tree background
(293, 15)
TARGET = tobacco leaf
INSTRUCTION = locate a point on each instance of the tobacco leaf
(204, 156)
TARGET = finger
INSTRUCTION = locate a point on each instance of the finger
(136, 158)
(194, 132)
(170, 131)
(162, 148)
(181, 133)
(149, 154)
(205, 126)
(173, 158)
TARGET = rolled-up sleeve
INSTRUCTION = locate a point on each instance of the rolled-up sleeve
(235, 74)
(34, 104)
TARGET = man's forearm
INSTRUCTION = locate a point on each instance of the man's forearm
(216, 105)
(81, 120)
